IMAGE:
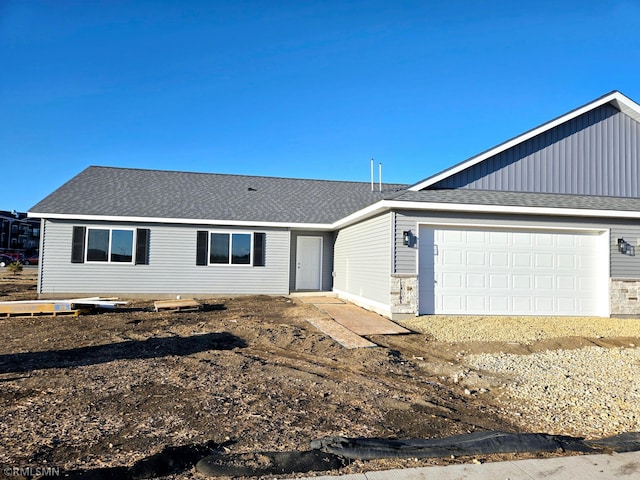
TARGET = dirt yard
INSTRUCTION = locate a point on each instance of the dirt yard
(246, 374)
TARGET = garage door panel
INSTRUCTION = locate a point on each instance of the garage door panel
(543, 260)
(476, 280)
(499, 238)
(498, 303)
(512, 272)
(498, 281)
(477, 259)
(522, 303)
(566, 283)
(566, 261)
(498, 259)
(476, 302)
(543, 282)
(452, 280)
(522, 282)
(451, 257)
(543, 305)
(522, 260)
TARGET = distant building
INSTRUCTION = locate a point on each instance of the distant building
(18, 233)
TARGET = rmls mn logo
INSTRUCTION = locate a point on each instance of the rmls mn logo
(30, 472)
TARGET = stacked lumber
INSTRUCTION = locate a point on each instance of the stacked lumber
(53, 308)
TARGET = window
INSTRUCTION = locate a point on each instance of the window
(110, 245)
(228, 248)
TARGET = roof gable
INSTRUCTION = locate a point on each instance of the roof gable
(593, 150)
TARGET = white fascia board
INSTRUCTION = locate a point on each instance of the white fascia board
(182, 221)
(369, 211)
(623, 103)
(509, 209)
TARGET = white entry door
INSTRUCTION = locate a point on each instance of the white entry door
(512, 272)
(309, 263)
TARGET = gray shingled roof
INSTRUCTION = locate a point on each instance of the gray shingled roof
(520, 199)
(126, 192)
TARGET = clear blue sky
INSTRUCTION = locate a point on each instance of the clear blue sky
(309, 89)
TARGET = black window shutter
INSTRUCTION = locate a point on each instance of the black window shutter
(142, 246)
(202, 250)
(259, 242)
(77, 245)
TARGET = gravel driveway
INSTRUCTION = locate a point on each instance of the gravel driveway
(590, 391)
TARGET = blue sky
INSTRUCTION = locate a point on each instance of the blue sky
(307, 89)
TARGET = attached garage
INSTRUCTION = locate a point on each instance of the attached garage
(500, 271)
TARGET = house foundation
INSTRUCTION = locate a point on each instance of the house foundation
(404, 295)
(624, 297)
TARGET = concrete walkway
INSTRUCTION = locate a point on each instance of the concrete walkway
(349, 323)
(580, 467)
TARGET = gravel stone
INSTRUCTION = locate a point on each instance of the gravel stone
(451, 328)
(591, 392)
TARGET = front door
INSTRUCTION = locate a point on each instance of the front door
(309, 263)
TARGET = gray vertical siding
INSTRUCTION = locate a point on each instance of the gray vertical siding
(172, 265)
(362, 259)
(597, 153)
(621, 266)
(327, 257)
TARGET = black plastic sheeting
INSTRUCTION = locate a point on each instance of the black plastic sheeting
(624, 442)
(269, 463)
(470, 444)
(332, 453)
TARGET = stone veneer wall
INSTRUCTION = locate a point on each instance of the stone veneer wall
(624, 295)
(404, 294)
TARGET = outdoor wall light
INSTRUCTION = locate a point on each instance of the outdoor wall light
(406, 237)
(626, 248)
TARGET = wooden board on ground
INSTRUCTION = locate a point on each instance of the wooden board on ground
(177, 305)
(340, 334)
(320, 300)
(27, 309)
(361, 321)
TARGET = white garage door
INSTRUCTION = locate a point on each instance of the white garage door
(512, 272)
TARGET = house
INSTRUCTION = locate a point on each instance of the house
(544, 224)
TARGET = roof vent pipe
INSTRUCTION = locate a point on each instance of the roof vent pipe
(380, 175)
(372, 174)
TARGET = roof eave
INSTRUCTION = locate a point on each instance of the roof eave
(363, 214)
(181, 221)
(511, 209)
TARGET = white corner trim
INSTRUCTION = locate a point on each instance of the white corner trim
(623, 103)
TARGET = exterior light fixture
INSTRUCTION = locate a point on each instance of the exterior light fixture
(626, 248)
(406, 237)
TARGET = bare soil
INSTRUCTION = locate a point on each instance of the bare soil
(246, 374)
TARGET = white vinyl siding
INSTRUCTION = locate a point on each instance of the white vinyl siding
(362, 261)
(172, 265)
